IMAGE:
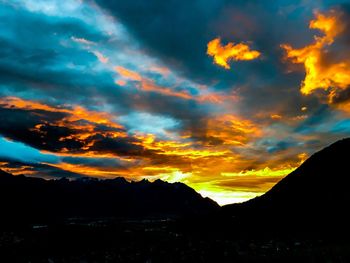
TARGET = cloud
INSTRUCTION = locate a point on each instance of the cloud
(101, 57)
(322, 70)
(229, 129)
(223, 54)
(148, 85)
(57, 129)
(110, 92)
(41, 170)
(128, 74)
(141, 122)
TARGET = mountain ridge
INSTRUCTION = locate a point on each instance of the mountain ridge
(312, 196)
(33, 199)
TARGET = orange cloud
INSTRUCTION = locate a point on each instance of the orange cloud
(98, 172)
(223, 54)
(175, 148)
(16, 170)
(128, 74)
(121, 82)
(149, 85)
(15, 102)
(232, 130)
(319, 73)
(74, 114)
(146, 84)
(275, 116)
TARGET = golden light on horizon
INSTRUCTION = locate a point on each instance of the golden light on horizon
(237, 187)
(211, 165)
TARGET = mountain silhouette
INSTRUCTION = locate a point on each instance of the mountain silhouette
(26, 199)
(315, 195)
(303, 218)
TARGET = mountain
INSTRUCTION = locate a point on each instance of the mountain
(26, 199)
(316, 195)
(4, 174)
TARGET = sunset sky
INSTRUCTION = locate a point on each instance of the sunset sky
(225, 96)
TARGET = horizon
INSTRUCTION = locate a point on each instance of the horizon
(227, 98)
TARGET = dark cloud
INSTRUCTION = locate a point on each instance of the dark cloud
(281, 146)
(118, 146)
(319, 117)
(18, 125)
(106, 163)
(35, 169)
(178, 32)
(37, 129)
(36, 51)
(36, 62)
(40, 129)
(174, 30)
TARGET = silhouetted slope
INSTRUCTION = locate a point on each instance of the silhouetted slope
(24, 198)
(4, 174)
(316, 193)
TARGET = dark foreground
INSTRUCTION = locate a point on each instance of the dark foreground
(162, 241)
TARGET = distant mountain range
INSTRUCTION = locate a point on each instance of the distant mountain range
(316, 195)
(26, 199)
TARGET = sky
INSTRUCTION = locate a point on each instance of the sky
(226, 96)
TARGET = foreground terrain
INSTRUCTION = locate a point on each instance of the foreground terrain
(161, 241)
